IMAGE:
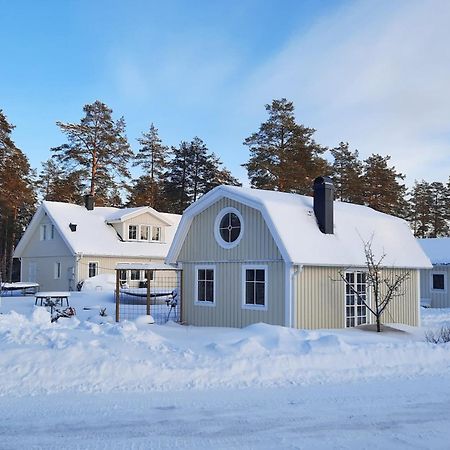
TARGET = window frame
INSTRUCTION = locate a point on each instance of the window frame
(57, 270)
(355, 306)
(96, 268)
(139, 271)
(159, 227)
(438, 272)
(137, 232)
(149, 231)
(255, 307)
(219, 217)
(43, 232)
(207, 303)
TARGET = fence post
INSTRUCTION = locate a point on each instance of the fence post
(147, 275)
(117, 296)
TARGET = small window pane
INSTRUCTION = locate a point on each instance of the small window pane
(201, 291)
(249, 293)
(259, 275)
(135, 274)
(132, 232)
(201, 274)
(259, 293)
(209, 274)
(438, 281)
(249, 275)
(234, 221)
(144, 233)
(156, 233)
(209, 291)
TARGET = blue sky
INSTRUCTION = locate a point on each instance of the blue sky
(374, 73)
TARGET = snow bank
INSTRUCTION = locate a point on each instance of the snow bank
(104, 282)
(95, 354)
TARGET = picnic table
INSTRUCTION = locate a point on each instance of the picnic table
(52, 298)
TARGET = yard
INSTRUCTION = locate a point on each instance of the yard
(87, 382)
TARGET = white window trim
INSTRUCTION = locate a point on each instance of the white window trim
(205, 302)
(97, 270)
(218, 237)
(266, 284)
(137, 232)
(149, 227)
(56, 274)
(160, 233)
(438, 272)
(368, 298)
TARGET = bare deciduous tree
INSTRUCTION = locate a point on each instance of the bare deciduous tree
(385, 285)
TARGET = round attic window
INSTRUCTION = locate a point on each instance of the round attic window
(228, 228)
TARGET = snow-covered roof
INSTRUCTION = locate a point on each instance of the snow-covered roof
(437, 249)
(94, 235)
(293, 225)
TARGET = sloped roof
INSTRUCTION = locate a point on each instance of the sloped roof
(293, 225)
(94, 236)
(437, 249)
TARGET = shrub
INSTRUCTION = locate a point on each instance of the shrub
(438, 337)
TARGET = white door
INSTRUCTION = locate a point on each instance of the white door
(355, 299)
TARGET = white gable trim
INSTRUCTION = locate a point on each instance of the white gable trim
(140, 211)
(206, 201)
(33, 227)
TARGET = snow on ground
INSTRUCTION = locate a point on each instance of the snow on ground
(98, 384)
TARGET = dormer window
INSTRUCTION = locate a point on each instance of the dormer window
(156, 234)
(145, 232)
(132, 232)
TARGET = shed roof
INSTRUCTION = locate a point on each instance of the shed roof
(291, 220)
(94, 235)
(437, 249)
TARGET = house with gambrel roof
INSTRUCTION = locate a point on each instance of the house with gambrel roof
(251, 255)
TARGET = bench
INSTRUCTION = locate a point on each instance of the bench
(52, 298)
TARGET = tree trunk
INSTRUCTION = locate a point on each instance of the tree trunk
(378, 324)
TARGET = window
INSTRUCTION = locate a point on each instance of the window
(255, 286)
(228, 228)
(123, 276)
(439, 281)
(156, 234)
(132, 232)
(57, 270)
(151, 275)
(52, 232)
(145, 232)
(43, 232)
(205, 291)
(93, 269)
(355, 296)
(135, 274)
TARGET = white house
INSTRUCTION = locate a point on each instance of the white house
(251, 255)
(434, 282)
(65, 243)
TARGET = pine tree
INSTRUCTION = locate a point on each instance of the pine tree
(152, 157)
(420, 201)
(98, 148)
(439, 210)
(57, 184)
(383, 189)
(347, 174)
(283, 154)
(193, 171)
(17, 198)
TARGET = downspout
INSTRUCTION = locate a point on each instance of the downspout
(297, 270)
(291, 271)
(78, 257)
(418, 298)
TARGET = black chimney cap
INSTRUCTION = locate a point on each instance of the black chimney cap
(323, 180)
(89, 202)
(73, 226)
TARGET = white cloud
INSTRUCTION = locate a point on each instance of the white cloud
(376, 74)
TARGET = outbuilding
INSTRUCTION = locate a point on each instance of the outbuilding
(251, 255)
(434, 281)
